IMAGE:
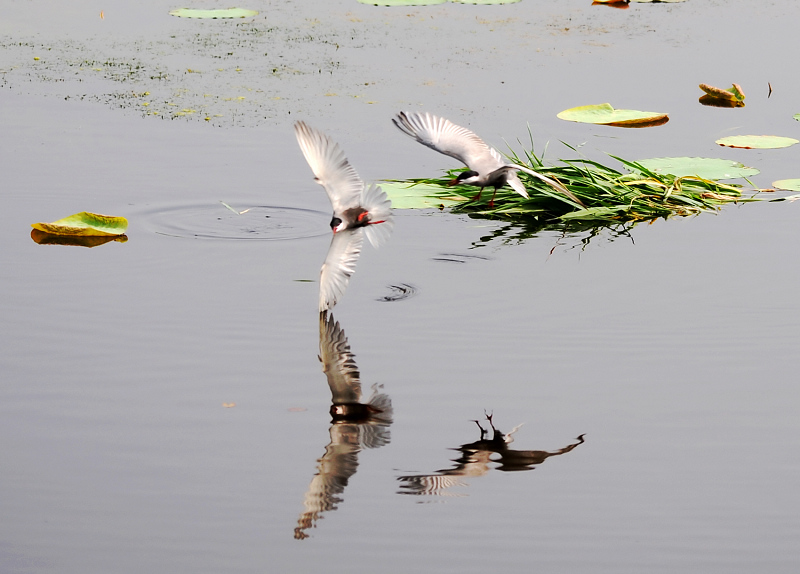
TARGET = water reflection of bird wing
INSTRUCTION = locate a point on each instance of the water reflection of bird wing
(511, 460)
(334, 470)
(474, 461)
(336, 466)
(471, 463)
(338, 363)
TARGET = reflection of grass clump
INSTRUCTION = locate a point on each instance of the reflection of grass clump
(605, 194)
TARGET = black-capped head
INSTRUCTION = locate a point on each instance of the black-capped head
(335, 222)
(464, 176)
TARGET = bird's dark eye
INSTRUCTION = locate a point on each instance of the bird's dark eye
(335, 222)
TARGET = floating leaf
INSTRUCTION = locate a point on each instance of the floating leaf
(420, 196)
(90, 241)
(704, 167)
(757, 142)
(732, 94)
(621, 4)
(797, 117)
(401, 2)
(213, 14)
(86, 224)
(605, 114)
(707, 100)
(787, 184)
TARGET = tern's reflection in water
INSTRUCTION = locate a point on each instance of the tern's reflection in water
(354, 426)
(474, 461)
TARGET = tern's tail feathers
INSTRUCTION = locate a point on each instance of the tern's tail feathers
(515, 182)
(552, 183)
(381, 403)
(379, 207)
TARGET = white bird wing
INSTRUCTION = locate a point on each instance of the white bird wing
(330, 166)
(340, 263)
(446, 137)
(338, 362)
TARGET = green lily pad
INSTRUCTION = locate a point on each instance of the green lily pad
(213, 14)
(787, 184)
(605, 114)
(757, 142)
(732, 94)
(797, 117)
(418, 196)
(703, 167)
(86, 224)
(401, 2)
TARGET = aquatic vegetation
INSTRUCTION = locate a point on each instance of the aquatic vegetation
(787, 184)
(606, 195)
(705, 167)
(605, 114)
(757, 142)
(213, 14)
(733, 94)
(85, 224)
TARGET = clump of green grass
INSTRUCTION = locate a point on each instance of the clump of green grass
(604, 195)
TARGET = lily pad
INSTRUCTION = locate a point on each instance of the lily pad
(732, 94)
(797, 117)
(213, 14)
(757, 142)
(89, 241)
(708, 100)
(401, 2)
(605, 114)
(405, 196)
(704, 167)
(85, 224)
(787, 184)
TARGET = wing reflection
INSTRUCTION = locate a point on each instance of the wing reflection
(474, 461)
(354, 425)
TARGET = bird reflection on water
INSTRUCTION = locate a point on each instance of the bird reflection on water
(474, 461)
(354, 425)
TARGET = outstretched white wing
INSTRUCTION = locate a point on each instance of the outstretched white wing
(446, 137)
(330, 166)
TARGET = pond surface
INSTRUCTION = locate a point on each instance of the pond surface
(163, 407)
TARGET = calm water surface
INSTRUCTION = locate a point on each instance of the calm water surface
(673, 351)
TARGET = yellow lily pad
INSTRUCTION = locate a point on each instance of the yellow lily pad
(732, 94)
(85, 224)
(605, 114)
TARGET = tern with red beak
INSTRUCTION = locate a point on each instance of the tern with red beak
(486, 166)
(358, 209)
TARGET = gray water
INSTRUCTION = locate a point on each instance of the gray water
(673, 350)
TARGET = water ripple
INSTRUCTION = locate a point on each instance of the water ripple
(221, 221)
